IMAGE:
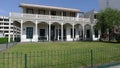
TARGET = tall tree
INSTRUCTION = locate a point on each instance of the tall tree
(107, 19)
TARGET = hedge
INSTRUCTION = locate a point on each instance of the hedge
(3, 40)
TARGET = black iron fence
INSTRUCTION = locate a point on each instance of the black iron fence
(74, 58)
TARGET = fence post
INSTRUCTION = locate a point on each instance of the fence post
(7, 44)
(25, 57)
(91, 58)
(3, 59)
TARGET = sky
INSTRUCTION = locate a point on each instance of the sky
(7, 6)
(115, 4)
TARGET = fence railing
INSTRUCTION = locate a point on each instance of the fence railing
(46, 17)
(74, 58)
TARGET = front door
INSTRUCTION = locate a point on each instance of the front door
(29, 32)
(88, 34)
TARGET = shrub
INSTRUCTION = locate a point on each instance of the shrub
(118, 38)
(3, 40)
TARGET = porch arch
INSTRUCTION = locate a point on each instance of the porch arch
(56, 31)
(43, 31)
(28, 31)
(16, 31)
(88, 32)
(78, 31)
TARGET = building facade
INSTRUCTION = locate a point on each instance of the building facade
(4, 27)
(48, 23)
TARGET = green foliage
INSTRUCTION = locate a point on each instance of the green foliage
(107, 19)
(3, 40)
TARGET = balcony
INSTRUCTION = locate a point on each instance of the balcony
(47, 17)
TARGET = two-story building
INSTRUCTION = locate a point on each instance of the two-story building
(48, 23)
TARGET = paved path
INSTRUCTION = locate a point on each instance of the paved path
(118, 66)
(4, 46)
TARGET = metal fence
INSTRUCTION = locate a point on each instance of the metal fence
(74, 58)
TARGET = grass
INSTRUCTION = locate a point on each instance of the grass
(60, 54)
(30, 47)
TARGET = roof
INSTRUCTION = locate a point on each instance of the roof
(48, 7)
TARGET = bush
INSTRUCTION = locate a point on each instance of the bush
(3, 40)
(118, 38)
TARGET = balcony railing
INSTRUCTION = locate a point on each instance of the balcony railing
(47, 17)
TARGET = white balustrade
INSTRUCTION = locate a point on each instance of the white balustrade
(29, 16)
(48, 17)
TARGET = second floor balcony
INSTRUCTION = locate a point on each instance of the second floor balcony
(47, 17)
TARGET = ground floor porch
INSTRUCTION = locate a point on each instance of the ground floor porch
(56, 31)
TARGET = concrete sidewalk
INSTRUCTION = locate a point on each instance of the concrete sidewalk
(5, 46)
(117, 66)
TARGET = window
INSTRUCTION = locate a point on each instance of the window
(88, 33)
(6, 27)
(1, 19)
(71, 32)
(42, 32)
(29, 11)
(64, 13)
(72, 14)
(74, 32)
(60, 13)
(11, 23)
(96, 33)
(53, 12)
(6, 19)
(6, 23)
(41, 11)
(29, 32)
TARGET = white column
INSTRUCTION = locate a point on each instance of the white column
(13, 32)
(58, 32)
(83, 32)
(83, 27)
(36, 31)
(55, 33)
(49, 31)
(9, 30)
(62, 32)
(73, 31)
(21, 29)
(92, 32)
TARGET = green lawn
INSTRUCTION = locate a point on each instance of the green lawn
(60, 54)
(30, 47)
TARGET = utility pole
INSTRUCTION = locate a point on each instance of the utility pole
(107, 3)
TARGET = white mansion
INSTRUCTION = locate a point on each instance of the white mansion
(48, 23)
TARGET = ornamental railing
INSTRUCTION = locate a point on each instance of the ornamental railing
(47, 17)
